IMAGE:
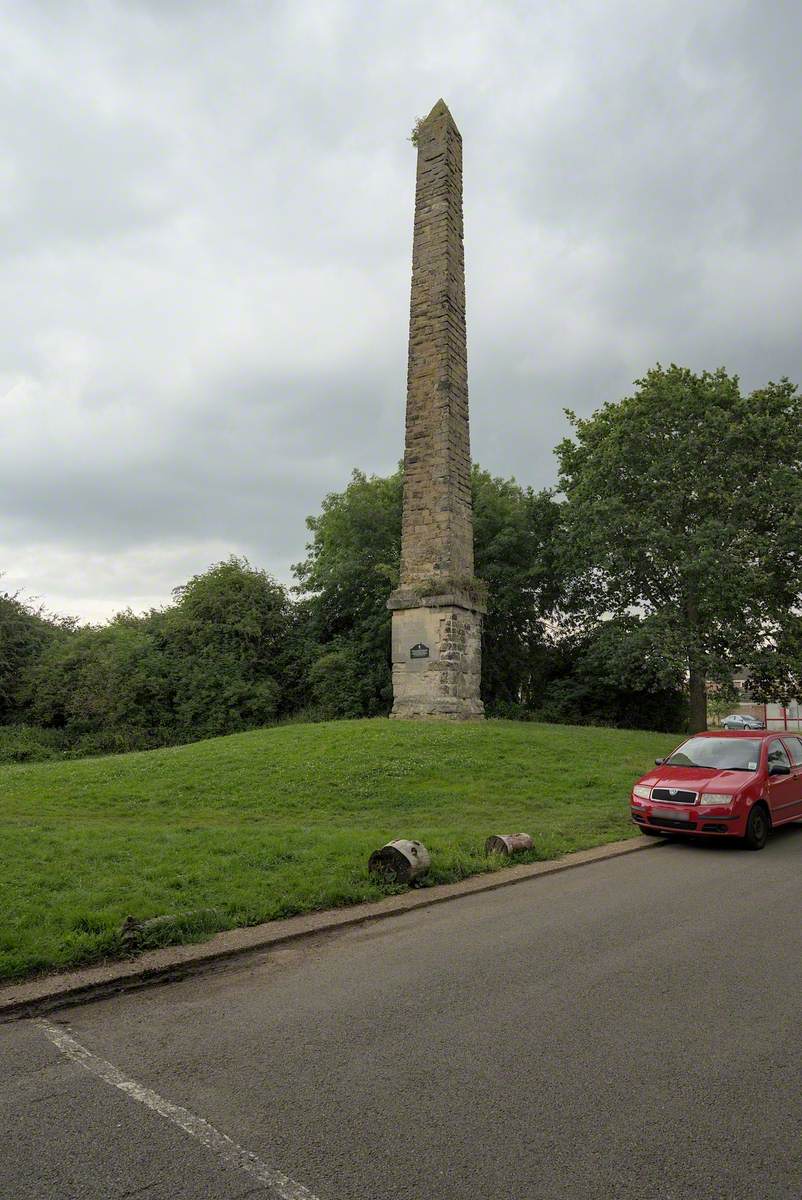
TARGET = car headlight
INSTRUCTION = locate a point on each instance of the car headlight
(716, 798)
(643, 793)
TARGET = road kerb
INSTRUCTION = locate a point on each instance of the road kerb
(48, 992)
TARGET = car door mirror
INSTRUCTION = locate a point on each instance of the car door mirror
(779, 769)
(658, 762)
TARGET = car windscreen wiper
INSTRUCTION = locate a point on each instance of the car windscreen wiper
(705, 766)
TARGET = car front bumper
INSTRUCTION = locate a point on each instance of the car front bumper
(696, 820)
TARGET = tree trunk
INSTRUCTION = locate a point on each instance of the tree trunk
(697, 676)
(698, 697)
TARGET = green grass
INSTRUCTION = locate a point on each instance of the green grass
(280, 821)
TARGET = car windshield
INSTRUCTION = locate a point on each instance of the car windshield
(721, 754)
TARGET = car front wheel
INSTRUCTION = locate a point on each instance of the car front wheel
(757, 828)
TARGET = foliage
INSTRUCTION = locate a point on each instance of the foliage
(516, 540)
(25, 632)
(721, 701)
(266, 824)
(222, 658)
(684, 502)
(351, 567)
(471, 588)
(30, 743)
(344, 685)
(775, 670)
(104, 687)
(614, 674)
(226, 646)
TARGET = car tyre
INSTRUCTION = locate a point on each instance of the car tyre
(758, 828)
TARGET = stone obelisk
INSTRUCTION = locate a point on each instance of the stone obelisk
(437, 608)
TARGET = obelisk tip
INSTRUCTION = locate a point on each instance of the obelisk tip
(440, 109)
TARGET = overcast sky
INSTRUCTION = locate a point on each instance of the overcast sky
(205, 232)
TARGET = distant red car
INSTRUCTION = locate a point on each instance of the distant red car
(734, 784)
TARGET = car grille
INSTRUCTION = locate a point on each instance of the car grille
(664, 795)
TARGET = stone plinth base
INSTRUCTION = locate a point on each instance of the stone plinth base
(436, 658)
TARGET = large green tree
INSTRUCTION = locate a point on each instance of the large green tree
(228, 648)
(517, 538)
(351, 566)
(684, 503)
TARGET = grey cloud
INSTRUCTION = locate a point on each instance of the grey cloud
(206, 214)
(255, 460)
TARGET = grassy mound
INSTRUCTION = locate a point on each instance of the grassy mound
(262, 825)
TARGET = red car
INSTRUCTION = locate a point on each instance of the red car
(734, 784)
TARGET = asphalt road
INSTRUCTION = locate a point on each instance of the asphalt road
(629, 1029)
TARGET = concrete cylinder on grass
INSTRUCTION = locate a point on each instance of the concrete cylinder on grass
(508, 843)
(400, 861)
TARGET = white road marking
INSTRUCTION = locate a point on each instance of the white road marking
(219, 1143)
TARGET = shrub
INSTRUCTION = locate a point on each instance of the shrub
(29, 743)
